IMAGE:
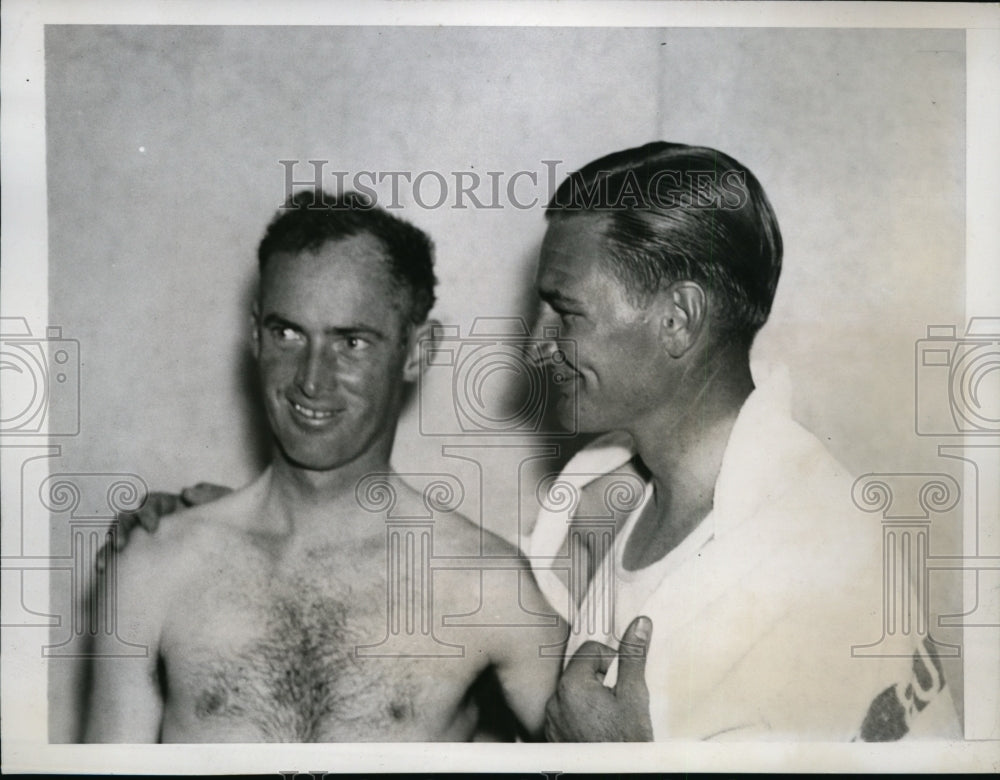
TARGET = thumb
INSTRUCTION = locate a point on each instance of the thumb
(632, 655)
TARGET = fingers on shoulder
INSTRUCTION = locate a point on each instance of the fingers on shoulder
(147, 516)
(203, 493)
(151, 554)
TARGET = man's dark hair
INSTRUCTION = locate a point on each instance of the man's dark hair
(309, 220)
(677, 212)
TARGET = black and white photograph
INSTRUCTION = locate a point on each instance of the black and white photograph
(525, 372)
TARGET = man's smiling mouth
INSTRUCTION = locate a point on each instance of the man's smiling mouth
(313, 414)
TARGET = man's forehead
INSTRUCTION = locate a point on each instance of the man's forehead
(342, 280)
(573, 246)
(361, 250)
(581, 227)
(357, 263)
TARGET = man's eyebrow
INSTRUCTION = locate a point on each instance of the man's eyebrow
(350, 329)
(556, 297)
(354, 329)
(276, 319)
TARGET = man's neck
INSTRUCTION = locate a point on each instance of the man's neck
(299, 499)
(683, 446)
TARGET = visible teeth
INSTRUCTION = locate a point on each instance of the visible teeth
(313, 414)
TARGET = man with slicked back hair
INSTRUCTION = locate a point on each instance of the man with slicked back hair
(728, 603)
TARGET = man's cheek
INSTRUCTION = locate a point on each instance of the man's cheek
(361, 385)
(353, 376)
(373, 372)
(274, 368)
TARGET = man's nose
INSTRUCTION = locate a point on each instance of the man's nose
(317, 370)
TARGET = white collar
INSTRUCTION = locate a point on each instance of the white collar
(752, 465)
(745, 478)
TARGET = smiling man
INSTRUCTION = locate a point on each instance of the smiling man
(264, 600)
(763, 581)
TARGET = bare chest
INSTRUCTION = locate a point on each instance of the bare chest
(290, 653)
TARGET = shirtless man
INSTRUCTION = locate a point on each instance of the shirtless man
(270, 604)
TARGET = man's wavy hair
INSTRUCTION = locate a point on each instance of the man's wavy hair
(309, 220)
(677, 212)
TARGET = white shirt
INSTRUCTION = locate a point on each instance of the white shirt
(756, 612)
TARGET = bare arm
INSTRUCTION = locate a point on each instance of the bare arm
(125, 701)
(527, 658)
(530, 663)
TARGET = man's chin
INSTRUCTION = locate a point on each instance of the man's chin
(310, 461)
(573, 418)
(577, 419)
(560, 415)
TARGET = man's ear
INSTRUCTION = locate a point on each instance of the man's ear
(255, 331)
(683, 314)
(420, 335)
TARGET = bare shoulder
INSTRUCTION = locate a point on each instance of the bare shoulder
(507, 586)
(145, 574)
(456, 534)
(225, 516)
(432, 504)
(175, 550)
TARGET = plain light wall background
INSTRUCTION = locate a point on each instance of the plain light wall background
(163, 149)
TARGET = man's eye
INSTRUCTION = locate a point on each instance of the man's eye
(356, 343)
(284, 333)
